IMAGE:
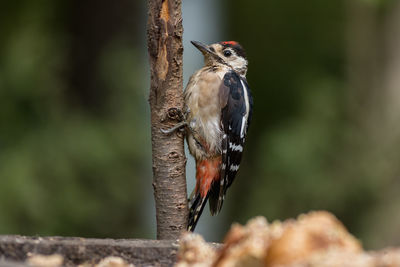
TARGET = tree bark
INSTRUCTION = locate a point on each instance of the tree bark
(164, 40)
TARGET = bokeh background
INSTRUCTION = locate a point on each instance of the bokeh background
(75, 151)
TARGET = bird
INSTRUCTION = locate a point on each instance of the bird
(217, 114)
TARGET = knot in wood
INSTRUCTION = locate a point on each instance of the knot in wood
(175, 114)
(173, 155)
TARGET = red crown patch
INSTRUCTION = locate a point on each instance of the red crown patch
(229, 43)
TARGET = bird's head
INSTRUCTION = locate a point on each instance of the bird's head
(228, 53)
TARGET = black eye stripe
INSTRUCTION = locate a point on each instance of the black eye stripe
(212, 49)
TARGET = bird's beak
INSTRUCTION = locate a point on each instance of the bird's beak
(203, 48)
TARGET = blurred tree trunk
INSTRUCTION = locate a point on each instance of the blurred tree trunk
(391, 78)
(374, 65)
(388, 127)
(164, 40)
(374, 76)
(364, 58)
(374, 69)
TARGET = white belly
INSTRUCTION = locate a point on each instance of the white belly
(202, 99)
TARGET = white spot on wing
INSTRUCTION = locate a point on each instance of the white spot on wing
(246, 116)
(235, 147)
(234, 168)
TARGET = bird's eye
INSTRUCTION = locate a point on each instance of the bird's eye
(227, 53)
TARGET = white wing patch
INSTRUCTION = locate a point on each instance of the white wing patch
(246, 115)
(234, 168)
(242, 127)
(235, 147)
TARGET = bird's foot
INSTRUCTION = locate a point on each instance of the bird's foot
(180, 126)
(177, 115)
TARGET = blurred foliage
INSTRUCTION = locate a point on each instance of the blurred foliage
(74, 121)
(307, 148)
(68, 168)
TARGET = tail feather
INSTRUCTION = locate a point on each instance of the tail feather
(196, 208)
(215, 199)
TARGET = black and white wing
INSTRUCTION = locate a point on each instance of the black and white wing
(236, 103)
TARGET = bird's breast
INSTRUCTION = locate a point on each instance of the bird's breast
(202, 99)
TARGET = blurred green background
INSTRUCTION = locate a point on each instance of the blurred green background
(75, 151)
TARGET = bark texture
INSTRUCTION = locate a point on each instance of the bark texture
(164, 40)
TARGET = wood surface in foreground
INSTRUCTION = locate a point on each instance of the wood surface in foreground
(316, 239)
(74, 251)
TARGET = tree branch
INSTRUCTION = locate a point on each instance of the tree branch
(164, 40)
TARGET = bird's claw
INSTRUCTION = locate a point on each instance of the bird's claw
(179, 126)
(178, 115)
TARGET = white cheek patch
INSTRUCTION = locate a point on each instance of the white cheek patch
(239, 64)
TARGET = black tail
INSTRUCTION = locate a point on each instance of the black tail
(196, 208)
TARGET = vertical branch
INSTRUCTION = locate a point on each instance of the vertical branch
(164, 40)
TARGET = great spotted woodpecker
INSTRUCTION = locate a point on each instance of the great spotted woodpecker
(218, 106)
